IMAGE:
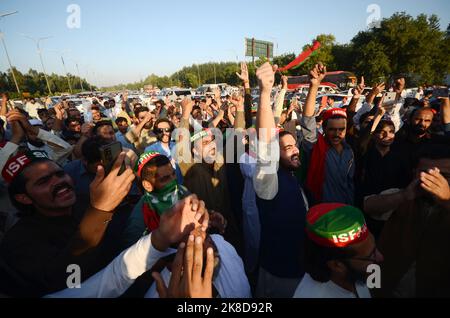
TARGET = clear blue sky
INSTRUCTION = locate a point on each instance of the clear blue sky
(124, 41)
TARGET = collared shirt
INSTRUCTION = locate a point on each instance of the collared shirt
(310, 288)
(339, 167)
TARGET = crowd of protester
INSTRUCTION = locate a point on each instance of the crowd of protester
(209, 198)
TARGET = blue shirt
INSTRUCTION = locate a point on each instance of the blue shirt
(121, 138)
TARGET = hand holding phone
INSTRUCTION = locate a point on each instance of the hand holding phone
(389, 98)
(440, 92)
(109, 155)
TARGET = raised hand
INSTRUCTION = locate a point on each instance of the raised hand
(434, 183)
(359, 88)
(59, 111)
(317, 74)
(108, 192)
(16, 116)
(266, 77)
(188, 279)
(284, 81)
(244, 73)
(378, 88)
(186, 107)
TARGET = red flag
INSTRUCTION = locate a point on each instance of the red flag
(302, 57)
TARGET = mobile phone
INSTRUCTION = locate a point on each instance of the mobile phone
(389, 97)
(109, 154)
(440, 92)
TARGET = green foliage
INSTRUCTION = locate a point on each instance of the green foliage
(33, 82)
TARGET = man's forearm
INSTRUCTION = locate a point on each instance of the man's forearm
(264, 118)
(380, 204)
(310, 103)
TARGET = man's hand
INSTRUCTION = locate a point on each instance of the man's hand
(59, 111)
(16, 116)
(244, 73)
(412, 191)
(108, 192)
(359, 88)
(187, 280)
(378, 88)
(284, 81)
(266, 77)
(186, 107)
(317, 74)
(434, 183)
(238, 101)
(17, 132)
(86, 129)
(179, 221)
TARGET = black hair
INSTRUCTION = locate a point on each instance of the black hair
(325, 122)
(417, 110)
(91, 149)
(120, 120)
(147, 170)
(285, 133)
(18, 186)
(139, 110)
(317, 256)
(100, 124)
(383, 123)
(162, 120)
(434, 151)
(71, 120)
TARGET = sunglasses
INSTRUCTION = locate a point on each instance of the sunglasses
(161, 130)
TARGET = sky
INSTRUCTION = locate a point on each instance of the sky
(125, 41)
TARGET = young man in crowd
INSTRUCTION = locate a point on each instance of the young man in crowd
(339, 248)
(36, 252)
(331, 161)
(415, 236)
(280, 200)
(141, 135)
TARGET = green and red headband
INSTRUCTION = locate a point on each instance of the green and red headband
(143, 159)
(336, 225)
(16, 164)
(201, 134)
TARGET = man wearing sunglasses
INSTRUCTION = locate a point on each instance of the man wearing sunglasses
(339, 248)
(163, 131)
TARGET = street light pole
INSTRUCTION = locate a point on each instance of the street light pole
(65, 69)
(6, 51)
(67, 74)
(79, 76)
(40, 57)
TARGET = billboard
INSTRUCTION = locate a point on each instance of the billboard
(258, 48)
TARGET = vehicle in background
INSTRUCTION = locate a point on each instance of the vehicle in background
(337, 80)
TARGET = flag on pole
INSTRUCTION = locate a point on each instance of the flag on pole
(311, 51)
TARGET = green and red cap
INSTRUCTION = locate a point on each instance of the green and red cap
(336, 225)
(143, 159)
